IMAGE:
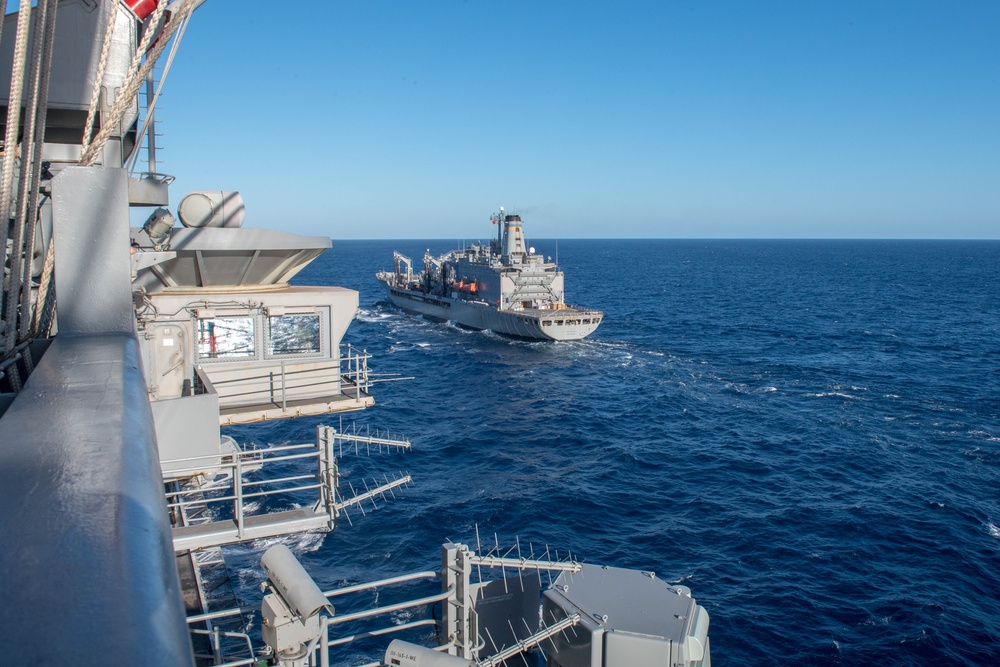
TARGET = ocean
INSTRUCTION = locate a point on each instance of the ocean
(805, 433)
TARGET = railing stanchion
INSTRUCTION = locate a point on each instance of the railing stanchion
(238, 488)
(216, 646)
(324, 642)
(284, 401)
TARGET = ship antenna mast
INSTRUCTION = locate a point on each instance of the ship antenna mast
(500, 229)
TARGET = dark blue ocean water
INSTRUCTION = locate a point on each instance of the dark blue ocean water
(806, 433)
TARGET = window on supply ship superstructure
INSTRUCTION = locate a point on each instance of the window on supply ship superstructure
(227, 338)
(295, 334)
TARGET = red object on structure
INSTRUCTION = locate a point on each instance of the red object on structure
(142, 8)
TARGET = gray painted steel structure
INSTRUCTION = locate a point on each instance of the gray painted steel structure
(87, 572)
(87, 568)
(504, 287)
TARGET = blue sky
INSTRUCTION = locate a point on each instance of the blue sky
(798, 119)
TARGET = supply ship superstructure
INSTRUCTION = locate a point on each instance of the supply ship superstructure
(503, 286)
(125, 351)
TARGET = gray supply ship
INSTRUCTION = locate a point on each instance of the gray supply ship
(125, 351)
(504, 287)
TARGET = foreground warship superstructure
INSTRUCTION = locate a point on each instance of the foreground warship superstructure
(124, 351)
(504, 287)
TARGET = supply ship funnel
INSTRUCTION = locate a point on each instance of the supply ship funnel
(513, 237)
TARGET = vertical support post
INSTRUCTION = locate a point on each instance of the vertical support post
(348, 369)
(363, 377)
(284, 397)
(238, 493)
(324, 641)
(151, 120)
(216, 646)
(458, 615)
(327, 473)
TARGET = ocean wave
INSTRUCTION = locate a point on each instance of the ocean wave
(769, 443)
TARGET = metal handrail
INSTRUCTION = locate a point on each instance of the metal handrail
(381, 631)
(378, 611)
(240, 495)
(217, 647)
(255, 456)
(246, 454)
(237, 491)
(351, 370)
(367, 586)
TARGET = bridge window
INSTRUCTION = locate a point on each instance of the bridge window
(293, 334)
(226, 338)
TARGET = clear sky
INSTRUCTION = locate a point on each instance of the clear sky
(698, 119)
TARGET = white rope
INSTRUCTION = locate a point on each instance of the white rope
(128, 91)
(43, 103)
(45, 303)
(147, 35)
(3, 11)
(95, 94)
(13, 124)
(42, 305)
(28, 169)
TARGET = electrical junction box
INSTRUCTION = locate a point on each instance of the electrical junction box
(281, 629)
(627, 619)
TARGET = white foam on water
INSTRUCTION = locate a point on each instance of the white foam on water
(298, 543)
(833, 394)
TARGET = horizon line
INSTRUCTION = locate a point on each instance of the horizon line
(692, 238)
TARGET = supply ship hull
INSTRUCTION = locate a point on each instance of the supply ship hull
(567, 324)
(499, 287)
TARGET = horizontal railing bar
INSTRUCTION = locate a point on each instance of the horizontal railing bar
(278, 480)
(382, 631)
(322, 376)
(222, 613)
(429, 574)
(277, 491)
(259, 390)
(277, 369)
(259, 494)
(242, 454)
(292, 457)
(282, 448)
(391, 608)
(190, 471)
(251, 462)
